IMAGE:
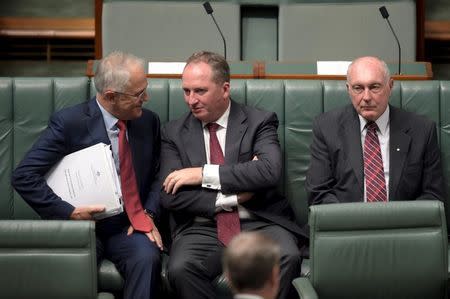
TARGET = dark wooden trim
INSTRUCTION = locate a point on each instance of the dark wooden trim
(90, 68)
(437, 30)
(73, 28)
(98, 29)
(420, 30)
(256, 69)
(339, 77)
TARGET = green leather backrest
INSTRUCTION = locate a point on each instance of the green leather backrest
(393, 250)
(27, 104)
(47, 259)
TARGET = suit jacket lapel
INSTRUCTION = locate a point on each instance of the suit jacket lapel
(352, 145)
(237, 126)
(191, 138)
(95, 124)
(137, 146)
(399, 142)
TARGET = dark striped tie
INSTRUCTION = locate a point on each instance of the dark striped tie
(228, 224)
(373, 166)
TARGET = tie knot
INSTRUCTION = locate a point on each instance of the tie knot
(122, 125)
(372, 126)
(212, 127)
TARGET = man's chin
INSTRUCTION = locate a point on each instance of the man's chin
(370, 115)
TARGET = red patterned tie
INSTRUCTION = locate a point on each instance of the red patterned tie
(228, 224)
(373, 166)
(130, 193)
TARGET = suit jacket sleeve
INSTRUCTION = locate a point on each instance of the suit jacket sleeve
(260, 140)
(190, 200)
(28, 177)
(433, 186)
(153, 199)
(319, 178)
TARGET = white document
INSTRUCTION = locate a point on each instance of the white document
(332, 67)
(88, 177)
(166, 67)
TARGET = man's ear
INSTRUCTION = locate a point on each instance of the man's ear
(275, 277)
(391, 83)
(109, 95)
(226, 89)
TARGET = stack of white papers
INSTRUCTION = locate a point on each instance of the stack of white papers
(88, 177)
(332, 67)
(166, 67)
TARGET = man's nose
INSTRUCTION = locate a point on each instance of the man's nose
(191, 99)
(366, 94)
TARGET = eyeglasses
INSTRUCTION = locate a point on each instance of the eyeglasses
(373, 88)
(137, 96)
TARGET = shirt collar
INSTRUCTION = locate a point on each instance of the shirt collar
(382, 122)
(223, 120)
(247, 296)
(109, 119)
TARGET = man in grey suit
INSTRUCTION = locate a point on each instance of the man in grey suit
(340, 169)
(222, 160)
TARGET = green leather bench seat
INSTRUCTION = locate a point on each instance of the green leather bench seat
(27, 104)
(383, 250)
(48, 259)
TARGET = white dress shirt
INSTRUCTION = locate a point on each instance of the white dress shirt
(211, 176)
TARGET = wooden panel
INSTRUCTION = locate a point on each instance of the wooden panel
(47, 27)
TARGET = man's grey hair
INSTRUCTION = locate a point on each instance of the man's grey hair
(218, 64)
(387, 73)
(113, 71)
(249, 260)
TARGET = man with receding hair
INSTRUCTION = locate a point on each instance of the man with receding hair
(115, 116)
(372, 151)
(251, 265)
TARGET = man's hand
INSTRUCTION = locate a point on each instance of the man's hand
(86, 212)
(183, 177)
(153, 235)
(244, 196)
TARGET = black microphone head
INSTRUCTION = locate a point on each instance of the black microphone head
(208, 8)
(384, 12)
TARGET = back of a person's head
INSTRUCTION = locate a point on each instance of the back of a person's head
(249, 261)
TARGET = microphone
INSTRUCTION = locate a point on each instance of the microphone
(385, 15)
(209, 11)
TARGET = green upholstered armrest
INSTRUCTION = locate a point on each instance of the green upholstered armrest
(48, 259)
(304, 288)
(103, 295)
(305, 270)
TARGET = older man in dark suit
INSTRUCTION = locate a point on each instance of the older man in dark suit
(221, 163)
(115, 116)
(370, 150)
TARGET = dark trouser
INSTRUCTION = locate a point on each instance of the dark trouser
(135, 256)
(195, 259)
